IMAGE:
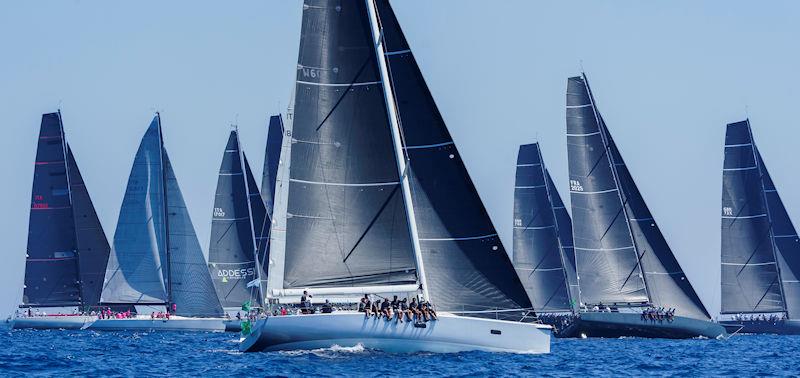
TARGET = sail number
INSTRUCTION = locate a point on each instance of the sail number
(575, 186)
(218, 212)
(727, 211)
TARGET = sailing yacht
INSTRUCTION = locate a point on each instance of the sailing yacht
(628, 277)
(238, 221)
(67, 248)
(156, 264)
(760, 247)
(543, 254)
(374, 198)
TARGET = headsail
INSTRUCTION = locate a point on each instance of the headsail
(538, 255)
(466, 266)
(750, 279)
(231, 254)
(606, 258)
(272, 157)
(787, 243)
(564, 226)
(346, 225)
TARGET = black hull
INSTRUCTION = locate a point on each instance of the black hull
(615, 325)
(784, 327)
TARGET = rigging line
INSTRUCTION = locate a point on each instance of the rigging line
(372, 222)
(346, 91)
(555, 291)
(767, 292)
(638, 261)
(755, 250)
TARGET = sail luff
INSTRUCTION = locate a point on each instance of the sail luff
(257, 238)
(165, 209)
(388, 94)
(274, 265)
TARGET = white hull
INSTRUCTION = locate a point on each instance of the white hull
(175, 323)
(52, 322)
(449, 334)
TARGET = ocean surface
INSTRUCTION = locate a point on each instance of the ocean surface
(84, 353)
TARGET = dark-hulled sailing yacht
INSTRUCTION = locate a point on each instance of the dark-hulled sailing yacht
(630, 283)
(156, 263)
(375, 199)
(239, 228)
(760, 247)
(67, 248)
(543, 253)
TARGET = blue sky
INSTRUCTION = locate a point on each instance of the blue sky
(667, 76)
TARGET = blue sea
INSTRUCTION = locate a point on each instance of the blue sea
(84, 353)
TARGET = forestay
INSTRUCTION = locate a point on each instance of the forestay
(750, 281)
(466, 266)
(538, 256)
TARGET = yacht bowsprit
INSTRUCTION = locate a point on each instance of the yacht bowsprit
(760, 247)
(376, 200)
(67, 248)
(630, 283)
(156, 266)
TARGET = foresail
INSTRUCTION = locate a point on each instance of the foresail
(466, 266)
(272, 156)
(135, 272)
(346, 224)
(750, 281)
(51, 264)
(666, 282)
(92, 244)
(606, 258)
(262, 222)
(231, 253)
(564, 226)
(537, 250)
(786, 241)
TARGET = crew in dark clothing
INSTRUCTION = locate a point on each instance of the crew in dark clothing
(414, 308)
(327, 308)
(396, 308)
(376, 308)
(431, 311)
(404, 311)
(365, 306)
(305, 302)
(386, 309)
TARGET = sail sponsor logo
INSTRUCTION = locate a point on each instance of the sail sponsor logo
(575, 186)
(236, 273)
(727, 211)
(218, 212)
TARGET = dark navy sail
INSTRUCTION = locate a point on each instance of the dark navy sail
(52, 275)
(272, 157)
(786, 241)
(92, 245)
(564, 226)
(750, 280)
(606, 257)
(666, 282)
(231, 253)
(262, 223)
(346, 222)
(466, 266)
(537, 248)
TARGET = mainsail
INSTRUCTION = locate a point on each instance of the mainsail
(156, 258)
(234, 229)
(466, 266)
(67, 248)
(539, 256)
(654, 268)
(750, 274)
(345, 223)
(272, 157)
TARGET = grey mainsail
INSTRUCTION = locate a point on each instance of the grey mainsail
(346, 224)
(231, 253)
(156, 258)
(750, 274)
(67, 248)
(606, 258)
(272, 156)
(787, 243)
(538, 254)
(466, 266)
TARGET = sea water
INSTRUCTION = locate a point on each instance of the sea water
(89, 353)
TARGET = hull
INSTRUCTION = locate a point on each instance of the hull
(52, 322)
(233, 325)
(175, 323)
(615, 324)
(449, 334)
(781, 327)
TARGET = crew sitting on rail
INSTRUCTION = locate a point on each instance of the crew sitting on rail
(396, 308)
(327, 308)
(305, 303)
(386, 309)
(365, 306)
(428, 308)
(414, 309)
(404, 311)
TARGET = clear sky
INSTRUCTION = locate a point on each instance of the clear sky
(667, 77)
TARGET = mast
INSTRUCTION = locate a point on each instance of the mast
(769, 217)
(377, 35)
(601, 127)
(166, 214)
(249, 209)
(555, 225)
